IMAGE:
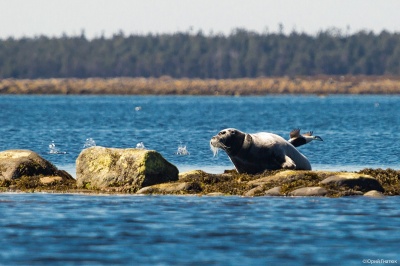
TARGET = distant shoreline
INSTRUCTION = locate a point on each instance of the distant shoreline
(317, 85)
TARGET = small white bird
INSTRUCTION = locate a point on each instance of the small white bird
(297, 140)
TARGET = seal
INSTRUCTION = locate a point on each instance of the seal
(255, 153)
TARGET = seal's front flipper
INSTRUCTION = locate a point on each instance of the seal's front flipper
(289, 163)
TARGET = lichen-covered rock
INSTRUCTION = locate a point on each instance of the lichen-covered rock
(131, 169)
(15, 164)
(309, 192)
(360, 182)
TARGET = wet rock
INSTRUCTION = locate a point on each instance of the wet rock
(374, 194)
(130, 169)
(273, 192)
(309, 192)
(15, 164)
(360, 182)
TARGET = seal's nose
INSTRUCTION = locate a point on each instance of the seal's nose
(214, 140)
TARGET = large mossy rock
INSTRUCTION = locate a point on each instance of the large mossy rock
(123, 170)
(25, 169)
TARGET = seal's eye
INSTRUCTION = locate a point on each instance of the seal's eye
(233, 132)
(222, 133)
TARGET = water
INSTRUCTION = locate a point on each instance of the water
(358, 131)
(56, 229)
(163, 230)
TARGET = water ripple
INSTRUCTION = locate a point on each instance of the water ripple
(76, 229)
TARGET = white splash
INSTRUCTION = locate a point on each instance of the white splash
(140, 145)
(54, 150)
(89, 143)
(182, 150)
(138, 108)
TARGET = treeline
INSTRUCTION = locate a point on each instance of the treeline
(196, 55)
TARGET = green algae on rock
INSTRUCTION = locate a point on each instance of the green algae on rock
(122, 170)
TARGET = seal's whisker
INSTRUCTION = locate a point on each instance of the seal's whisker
(214, 150)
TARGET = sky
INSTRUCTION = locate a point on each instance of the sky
(53, 18)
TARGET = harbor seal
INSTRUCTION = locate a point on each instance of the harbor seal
(255, 153)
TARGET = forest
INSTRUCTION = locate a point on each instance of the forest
(241, 54)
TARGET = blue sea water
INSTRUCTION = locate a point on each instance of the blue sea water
(41, 229)
(54, 229)
(358, 131)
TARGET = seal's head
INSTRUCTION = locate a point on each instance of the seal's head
(230, 140)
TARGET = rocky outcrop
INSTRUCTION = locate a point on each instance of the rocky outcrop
(25, 169)
(122, 170)
(278, 183)
(110, 170)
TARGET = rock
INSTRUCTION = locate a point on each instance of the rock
(192, 174)
(171, 188)
(216, 194)
(15, 164)
(254, 191)
(132, 169)
(309, 192)
(374, 194)
(282, 175)
(288, 176)
(273, 192)
(360, 182)
(50, 179)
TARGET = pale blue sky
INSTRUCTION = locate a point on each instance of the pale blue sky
(53, 17)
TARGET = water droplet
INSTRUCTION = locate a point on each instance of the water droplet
(89, 143)
(54, 150)
(140, 145)
(182, 150)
